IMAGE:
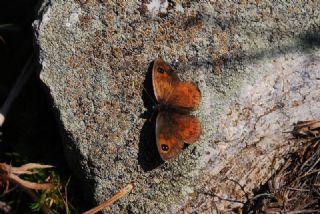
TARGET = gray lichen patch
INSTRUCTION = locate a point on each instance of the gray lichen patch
(96, 58)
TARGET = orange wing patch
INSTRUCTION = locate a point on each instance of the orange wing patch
(185, 95)
(189, 128)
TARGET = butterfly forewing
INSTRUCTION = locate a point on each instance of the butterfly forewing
(170, 90)
(164, 80)
(185, 95)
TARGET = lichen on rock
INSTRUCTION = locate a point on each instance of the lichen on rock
(255, 63)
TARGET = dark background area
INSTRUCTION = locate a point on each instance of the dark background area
(29, 128)
(30, 132)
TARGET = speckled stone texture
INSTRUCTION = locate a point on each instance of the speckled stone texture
(257, 64)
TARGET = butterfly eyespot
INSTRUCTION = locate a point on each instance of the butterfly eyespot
(161, 70)
(165, 147)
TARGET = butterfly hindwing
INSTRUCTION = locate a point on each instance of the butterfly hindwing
(188, 127)
(169, 144)
(173, 130)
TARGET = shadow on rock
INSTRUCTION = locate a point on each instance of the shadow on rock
(148, 156)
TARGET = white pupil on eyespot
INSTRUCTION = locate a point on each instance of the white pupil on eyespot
(164, 147)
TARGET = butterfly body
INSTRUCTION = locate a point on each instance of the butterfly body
(162, 107)
(176, 100)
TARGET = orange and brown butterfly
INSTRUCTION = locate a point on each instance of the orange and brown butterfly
(176, 99)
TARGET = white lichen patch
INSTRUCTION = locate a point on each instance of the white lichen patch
(73, 19)
(251, 142)
(156, 7)
(179, 8)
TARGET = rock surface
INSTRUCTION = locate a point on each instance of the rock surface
(255, 62)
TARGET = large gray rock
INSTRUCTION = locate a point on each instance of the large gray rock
(257, 64)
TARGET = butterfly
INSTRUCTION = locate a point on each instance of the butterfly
(176, 99)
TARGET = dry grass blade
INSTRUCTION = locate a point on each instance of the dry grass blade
(296, 186)
(23, 77)
(65, 200)
(2, 40)
(303, 129)
(111, 200)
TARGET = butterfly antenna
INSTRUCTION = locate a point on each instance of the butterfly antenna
(150, 118)
(149, 95)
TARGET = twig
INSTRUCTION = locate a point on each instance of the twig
(264, 195)
(111, 200)
(24, 75)
(24, 169)
(242, 188)
(35, 198)
(220, 198)
(303, 211)
(30, 185)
